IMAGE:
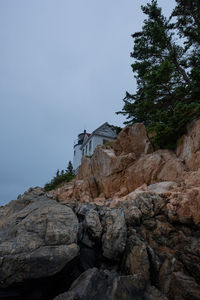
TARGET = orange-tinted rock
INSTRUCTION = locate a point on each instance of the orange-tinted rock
(185, 206)
(132, 164)
(116, 176)
(85, 168)
(161, 165)
(188, 148)
(192, 179)
(136, 260)
(107, 171)
(133, 139)
(81, 190)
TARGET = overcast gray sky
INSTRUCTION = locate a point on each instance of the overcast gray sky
(64, 67)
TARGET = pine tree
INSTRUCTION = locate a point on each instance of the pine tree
(164, 99)
(187, 13)
(70, 170)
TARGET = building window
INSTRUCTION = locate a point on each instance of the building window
(90, 146)
(83, 152)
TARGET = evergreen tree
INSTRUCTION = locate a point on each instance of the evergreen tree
(70, 170)
(164, 99)
(187, 13)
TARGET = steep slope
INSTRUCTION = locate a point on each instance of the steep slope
(128, 227)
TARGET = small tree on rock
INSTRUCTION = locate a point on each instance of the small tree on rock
(70, 170)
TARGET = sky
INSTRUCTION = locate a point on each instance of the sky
(64, 67)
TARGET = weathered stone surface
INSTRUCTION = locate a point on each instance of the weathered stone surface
(192, 179)
(42, 262)
(133, 216)
(93, 225)
(38, 237)
(184, 206)
(162, 187)
(107, 170)
(161, 165)
(136, 260)
(133, 139)
(149, 204)
(183, 287)
(169, 266)
(96, 284)
(154, 294)
(188, 146)
(114, 238)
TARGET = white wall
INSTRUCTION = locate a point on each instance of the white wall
(96, 141)
(77, 157)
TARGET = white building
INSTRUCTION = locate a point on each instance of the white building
(86, 142)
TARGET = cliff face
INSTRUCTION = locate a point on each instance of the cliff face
(128, 227)
(130, 164)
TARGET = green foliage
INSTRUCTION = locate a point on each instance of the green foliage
(61, 177)
(167, 73)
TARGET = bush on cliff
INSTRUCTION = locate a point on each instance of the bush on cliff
(61, 176)
(167, 72)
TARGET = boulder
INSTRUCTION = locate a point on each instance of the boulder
(162, 187)
(183, 287)
(97, 284)
(107, 169)
(152, 293)
(115, 232)
(38, 238)
(92, 229)
(133, 139)
(133, 216)
(184, 206)
(161, 165)
(188, 146)
(169, 266)
(136, 260)
(93, 225)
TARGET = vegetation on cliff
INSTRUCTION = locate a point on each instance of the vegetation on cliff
(166, 56)
(61, 176)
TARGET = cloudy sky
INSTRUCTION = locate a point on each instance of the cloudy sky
(64, 67)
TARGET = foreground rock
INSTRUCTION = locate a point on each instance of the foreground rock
(38, 238)
(97, 284)
(135, 250)
(114, 238)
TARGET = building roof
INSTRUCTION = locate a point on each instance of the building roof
(105, 130)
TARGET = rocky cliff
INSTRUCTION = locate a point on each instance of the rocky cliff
(128, 227)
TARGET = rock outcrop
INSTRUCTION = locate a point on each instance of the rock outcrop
(38, 238)
(188, 148)
(117, 171)
(127, 227)
(132, 251)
